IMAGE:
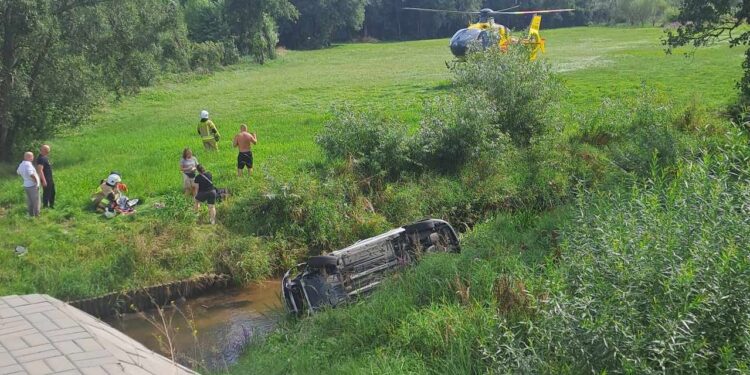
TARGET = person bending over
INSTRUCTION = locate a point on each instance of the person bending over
(206, 192)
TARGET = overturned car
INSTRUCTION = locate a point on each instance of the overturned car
(329, 280)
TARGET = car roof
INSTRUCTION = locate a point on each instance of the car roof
(393, 233)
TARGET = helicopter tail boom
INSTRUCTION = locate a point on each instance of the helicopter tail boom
(534, 41)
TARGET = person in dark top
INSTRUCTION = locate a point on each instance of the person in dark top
(206, 192)
(44, 169)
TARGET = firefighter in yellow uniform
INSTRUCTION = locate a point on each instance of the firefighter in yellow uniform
(207, 131)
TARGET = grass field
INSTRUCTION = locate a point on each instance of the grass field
(74, 252)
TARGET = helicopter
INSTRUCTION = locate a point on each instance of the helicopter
(486, 32)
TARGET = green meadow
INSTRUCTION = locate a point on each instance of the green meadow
(74, 252)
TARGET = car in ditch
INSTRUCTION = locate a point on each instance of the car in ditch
(335, 278)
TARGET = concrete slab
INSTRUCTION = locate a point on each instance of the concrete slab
(42, 335)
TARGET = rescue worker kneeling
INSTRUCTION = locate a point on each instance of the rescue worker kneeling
(106, 198)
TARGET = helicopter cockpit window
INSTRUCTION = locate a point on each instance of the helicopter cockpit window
(463, 39)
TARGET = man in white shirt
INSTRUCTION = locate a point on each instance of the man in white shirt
(30, 183)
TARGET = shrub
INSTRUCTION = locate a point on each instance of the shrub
(231, 53)
(262, 43)
(523, 92)
(206, 56)
(205, 21)
(376, 146)
(635, 132)
(455, 130)
(657, 278)
(304, 212)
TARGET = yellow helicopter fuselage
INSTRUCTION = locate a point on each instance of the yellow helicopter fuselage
(488, 32)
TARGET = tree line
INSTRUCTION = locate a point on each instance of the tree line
(338, 20)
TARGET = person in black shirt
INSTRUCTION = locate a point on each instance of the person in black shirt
(206, 192)
(44, 168)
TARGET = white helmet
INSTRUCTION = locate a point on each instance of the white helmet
(204, 115)
(113, 179)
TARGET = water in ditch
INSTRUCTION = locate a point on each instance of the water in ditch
(208, 332)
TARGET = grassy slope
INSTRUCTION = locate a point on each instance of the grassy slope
(75, 253)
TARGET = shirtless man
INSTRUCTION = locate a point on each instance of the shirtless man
(245, 141)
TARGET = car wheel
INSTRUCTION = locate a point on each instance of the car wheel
(322, 261)
(420, 226)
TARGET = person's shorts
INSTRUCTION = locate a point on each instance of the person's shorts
(188, 182)
(208, 197)
(245, 159)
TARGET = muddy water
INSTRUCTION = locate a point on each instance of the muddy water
(208, 332)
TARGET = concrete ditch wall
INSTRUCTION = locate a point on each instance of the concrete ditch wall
(151, 297)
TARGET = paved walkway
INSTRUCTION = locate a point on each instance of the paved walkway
(42, 335)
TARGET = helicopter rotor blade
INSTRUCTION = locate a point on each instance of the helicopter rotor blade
(533, 11)
(507, 9)
(440, 11)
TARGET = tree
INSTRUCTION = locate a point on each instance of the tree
(57, 58)
(320, 19)
(638, 12)
(704, 22)
(253, 24)
(130, 37)
(42, 84)
(205, 20)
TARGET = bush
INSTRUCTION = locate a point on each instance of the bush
(231, 53)
(206, 56)
(523, 92)
(635, 132)
(262, 43)
(377, 146)
(658, 278)
(306, 213)
(650, 280)
(205, 21)
(455, 130)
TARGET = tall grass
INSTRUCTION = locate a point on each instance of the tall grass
(657, 277)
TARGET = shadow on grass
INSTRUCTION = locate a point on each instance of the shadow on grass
(442, 87)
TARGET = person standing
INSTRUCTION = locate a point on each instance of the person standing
(188, 167)
(30, 183)
(208, 132)
(44, 169)
(245, 141)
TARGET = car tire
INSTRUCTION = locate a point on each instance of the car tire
(322, 261)
(420, 226)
